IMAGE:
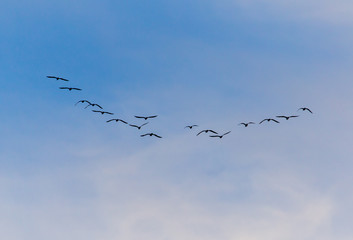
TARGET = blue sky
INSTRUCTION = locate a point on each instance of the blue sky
(65, 173)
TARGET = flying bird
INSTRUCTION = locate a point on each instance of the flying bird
(305, 109)
(220, 136)
(82, 101)
(71, 88)
(206, 131)
(191, 126)
(93, 105)
(58, 78)
(146, 117)
(117, 120)
(103, 112)
(139, 127)
(269, 119)
(150, 134)
(287, 117)
(246, 124)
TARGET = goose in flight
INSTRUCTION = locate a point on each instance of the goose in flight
(206, 131)
(71, 88)
(117, 120)
(93, 105)
(82, 101)
(246, 124)
(139, 127)
(150, 134)
(269, 119)
(220, 136)
(146, 117)
(191, 126)
(287, 117)
(58, 78)
(305, 109)
(102, 112)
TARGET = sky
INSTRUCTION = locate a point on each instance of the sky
(67, 174)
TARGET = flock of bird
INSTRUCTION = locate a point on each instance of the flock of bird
(214, 133)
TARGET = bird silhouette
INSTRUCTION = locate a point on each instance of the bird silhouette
(191, 126)
(150, 134)
(269, 119)
(93, 105)
(103, 112)
(117, 120)
(58, 78)
(305, 109)
(71, 88)
(139, 127)
(220, 136)
(82, 101)
(206, 131)
(146, 117)
(287, 117)
(246, 124)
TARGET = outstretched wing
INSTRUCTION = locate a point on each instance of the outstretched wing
(78, 89)
(109, 113)
(63, 79)
(132, 125)
(139, 117)
(226, 133)
(111, 120)
(152, 116)
(144, 124)
(294, 116)
(64, 87)
(281, 116)
(122, 121)
(96, 111)
(95, 104)
(262, 121)
(51, 77)
(200, 132)
(309, 110)
(274, 120)
(215, 136)
(144, 134)
(156, 135)
(212, 131)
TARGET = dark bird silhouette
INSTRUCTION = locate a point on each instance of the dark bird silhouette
(71, 88)
(206, 131)
(58, 78)
(82, 101)
(220, 136)
(117, 120)
(287, 117)
(93, 105)
(305, 109)
(246, 124)
(150, 134)
(139, 127)
(191, 126)
(103, 112)
(269, 119)
(146, 117)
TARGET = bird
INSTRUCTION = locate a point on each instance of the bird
(246, 124)
(150, 134)
(103, 112)
(305, 109)
(220, 136)
(93, 104)
(146, 117)
(269, 119)
(117, 120)
(82, 101)
(71, 88)
(191, 126)
(287, 117)
(206, 131)
(58, 78)
(139, 127)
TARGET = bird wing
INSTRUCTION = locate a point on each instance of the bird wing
(78, 89)
(139, 117)
(63, 87)
(132, 125)
(274, 120)
(122, 121)
(152, 116)
(111, 120)
(294, 116)
(64, 79)
(309, 110)
(143, 124)
(51, 77)
(201, 132)
(281, 116)
(195, 125)
(262, 121)
(242, 124)
(156, 135)
(215, 136)
(251, 123)
(109, 113)
(212, 131)
(144, 134)
(226, 133)
(98, 105)
(96, 111)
